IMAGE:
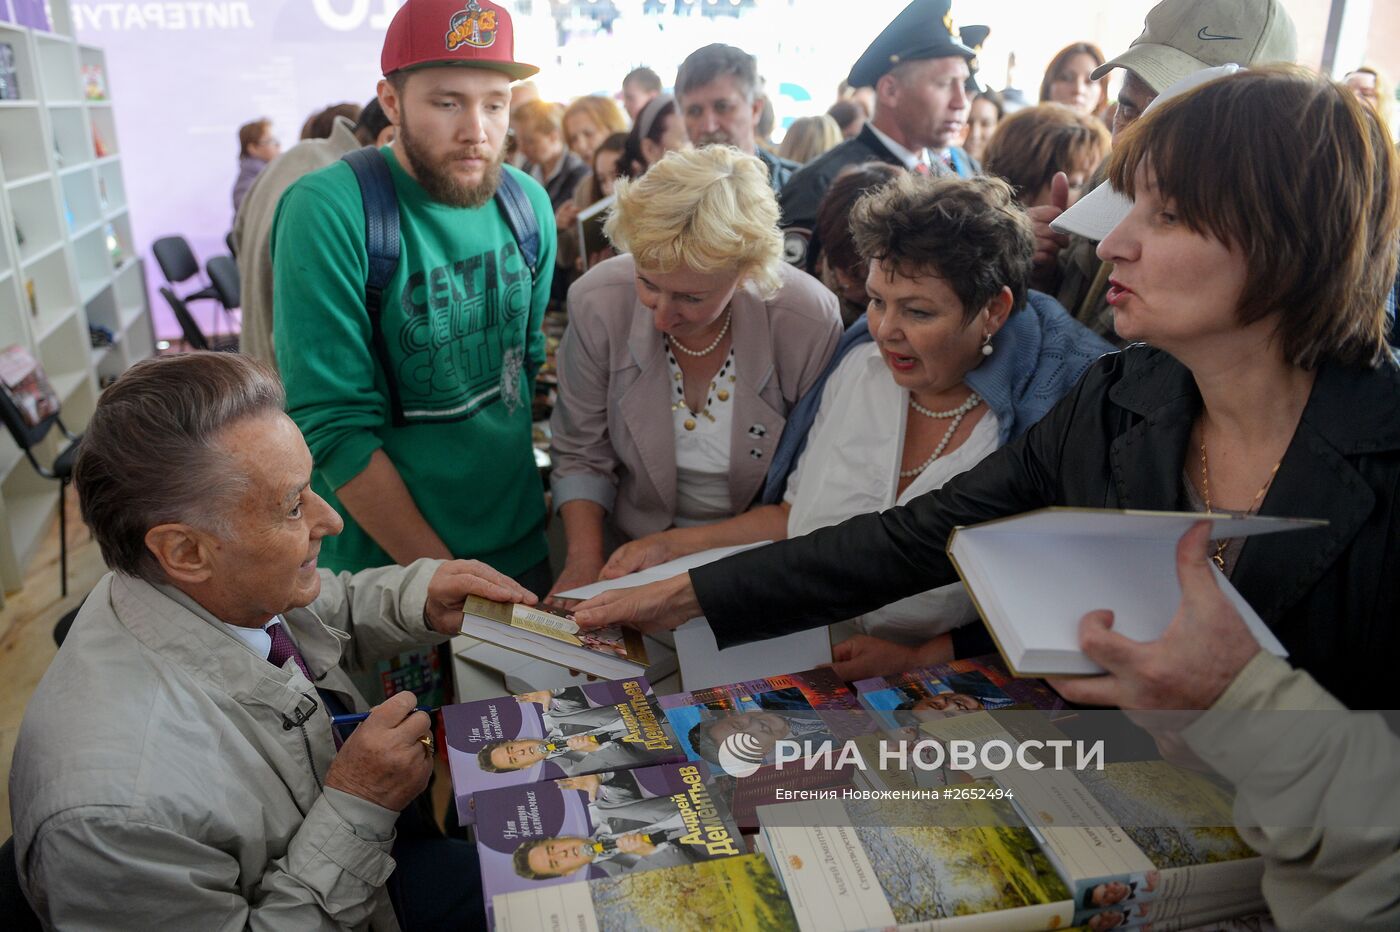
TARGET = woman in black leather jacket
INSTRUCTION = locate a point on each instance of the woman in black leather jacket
(1253, 263)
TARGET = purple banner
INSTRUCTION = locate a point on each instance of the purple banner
(184, 76)
(31, 13)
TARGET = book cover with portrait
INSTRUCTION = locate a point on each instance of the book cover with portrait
(790, 706)
(970, 685)
(547, 734)
(606, 824)
(813, 707)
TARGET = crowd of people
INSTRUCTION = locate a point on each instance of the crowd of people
(932, 306)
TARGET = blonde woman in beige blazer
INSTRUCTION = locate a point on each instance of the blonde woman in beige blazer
(699, 325)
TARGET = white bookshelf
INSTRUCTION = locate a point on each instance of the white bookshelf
(66, 257)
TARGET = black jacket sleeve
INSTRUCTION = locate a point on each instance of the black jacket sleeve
(871, 560)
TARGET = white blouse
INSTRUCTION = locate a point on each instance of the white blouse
(702, 447)
(851, 466)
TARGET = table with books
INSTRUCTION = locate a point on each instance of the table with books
(603, 806)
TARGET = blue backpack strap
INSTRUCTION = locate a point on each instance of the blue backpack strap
(520, 217)
(382, 244)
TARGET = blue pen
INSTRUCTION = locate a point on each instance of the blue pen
(356, 717)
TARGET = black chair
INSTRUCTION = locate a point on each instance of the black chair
(19, 916)
(194, 336)
(223, 273)
(28, 436)
(232, 244)
(178, 265)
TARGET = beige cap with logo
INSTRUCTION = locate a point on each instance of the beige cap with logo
(1181, 37)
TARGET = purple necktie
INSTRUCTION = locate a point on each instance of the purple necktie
(282, 648)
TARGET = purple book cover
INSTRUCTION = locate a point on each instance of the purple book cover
(32, 13)
(543, 735)
(600, 825)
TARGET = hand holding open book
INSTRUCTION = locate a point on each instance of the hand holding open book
(1201, 652)
(1034, 576)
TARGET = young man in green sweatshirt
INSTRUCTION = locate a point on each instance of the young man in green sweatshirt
(449, 470)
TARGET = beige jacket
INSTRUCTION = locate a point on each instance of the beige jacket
(160, 780)
(612, 436)
(1291, 749)
(252, 231)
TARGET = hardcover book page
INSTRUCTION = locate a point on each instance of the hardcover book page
(830, 880)
(657, 573)
(567, 908)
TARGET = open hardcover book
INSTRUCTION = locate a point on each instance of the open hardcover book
(1035, 575)
(551, 634)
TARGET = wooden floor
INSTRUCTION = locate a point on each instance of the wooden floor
(26, 630)
(27, 647)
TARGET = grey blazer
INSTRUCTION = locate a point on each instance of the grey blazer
(613, 441)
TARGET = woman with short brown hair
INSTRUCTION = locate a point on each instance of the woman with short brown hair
(256, 148)
(1032, 145)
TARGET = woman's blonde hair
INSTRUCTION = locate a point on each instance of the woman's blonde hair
(809, 137)
(539, 116)
(600, 110)
(707, 209)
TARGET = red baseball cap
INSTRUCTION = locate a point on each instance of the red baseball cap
(475, 33)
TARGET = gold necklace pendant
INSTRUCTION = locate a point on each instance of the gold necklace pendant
(1218, 558)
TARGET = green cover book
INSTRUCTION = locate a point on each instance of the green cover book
(728, 895)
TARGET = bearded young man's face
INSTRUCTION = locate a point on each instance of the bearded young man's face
(452, 124)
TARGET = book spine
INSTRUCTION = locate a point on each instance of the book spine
(1199, 880)
(1211, 905)
(1197, 918)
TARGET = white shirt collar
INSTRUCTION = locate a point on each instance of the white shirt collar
(908, 157)
(257, 639)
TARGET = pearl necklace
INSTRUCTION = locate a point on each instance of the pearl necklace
(957, 414)
(676, 344)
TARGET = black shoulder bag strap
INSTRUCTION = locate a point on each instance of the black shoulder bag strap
(382, 245)
(520, 217)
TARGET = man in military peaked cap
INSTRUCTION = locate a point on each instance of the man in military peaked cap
(919, 65)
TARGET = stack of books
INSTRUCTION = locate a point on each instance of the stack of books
(602, 807)
(1133, 844)
(599, 807)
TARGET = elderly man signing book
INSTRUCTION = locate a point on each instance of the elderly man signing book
(177, 767)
